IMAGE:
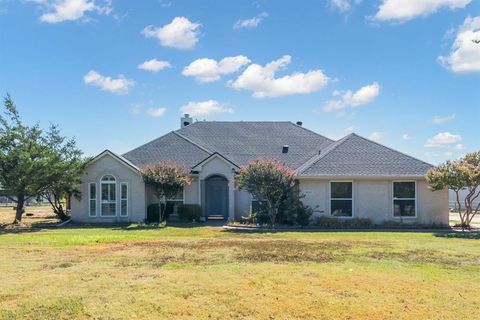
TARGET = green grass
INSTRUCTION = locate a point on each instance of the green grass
(189, 272)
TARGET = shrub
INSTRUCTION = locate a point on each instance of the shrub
(153, 212)
(189, 212)
(336, 223)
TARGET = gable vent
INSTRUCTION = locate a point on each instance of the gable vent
(285, 149)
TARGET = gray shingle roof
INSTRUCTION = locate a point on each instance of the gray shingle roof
(244, 141)
(168, 148)
(309, 153)
(357, 156)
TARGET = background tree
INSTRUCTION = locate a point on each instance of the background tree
(66, 165)
(457, 175)
(267, 180)
(166, 181)
(23, 160)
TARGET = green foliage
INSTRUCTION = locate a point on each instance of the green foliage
(457, 175)
(189, 212)
(268, 180)
(336, 223)
(35, 163)
(166, 180)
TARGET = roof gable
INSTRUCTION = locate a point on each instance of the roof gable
(354, 155)
(168, 148)
(244, 141)
(118, 157)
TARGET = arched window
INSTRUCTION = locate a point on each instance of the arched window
(109, 196)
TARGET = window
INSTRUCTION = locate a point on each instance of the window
(108, 196)
(341, 199)
(173, 203)
(92, 199)
(124, 199)
(404, 199)
(258, 206)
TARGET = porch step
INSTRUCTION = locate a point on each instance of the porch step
(215, 217)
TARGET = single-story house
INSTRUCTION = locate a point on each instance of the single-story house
(349, 178)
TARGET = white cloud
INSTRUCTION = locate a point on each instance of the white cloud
(205, 108)
(406, 137)
(261, 80)
(351, 129)
(464, 55)
(154, 65)
(377, 136)
(404, 10)
(70, 10)
(181, 33)
(459, 147)
(341, 5)
(208, 70)
(443, 139)
(440, 120)
(348, 98)
(250, 23)
(156, 112)
(120, 85)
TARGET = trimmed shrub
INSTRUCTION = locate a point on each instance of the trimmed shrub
(153, 214)
(339, 223)
(189, 212)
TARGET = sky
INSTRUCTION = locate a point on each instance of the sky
(116, 74)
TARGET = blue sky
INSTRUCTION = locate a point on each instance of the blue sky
(116, 74)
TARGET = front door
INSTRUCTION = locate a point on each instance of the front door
(216, 196)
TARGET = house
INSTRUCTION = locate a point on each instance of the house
(350, 177)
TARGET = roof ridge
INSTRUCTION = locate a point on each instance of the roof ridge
(192, 142)
(391, 149)
(310, 162)
(164, 135)
(311, 131)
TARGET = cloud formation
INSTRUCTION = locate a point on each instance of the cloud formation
(441, 120)
(261, 80)
(443, 139)
(404, 10)
(181, 33)
(70, 10)
(250, 23)
(377, 136)
(154, 65)
(205, 108)
(464, 56)
(120, 85)
(156, 112)
(209, 70)
(364, 95)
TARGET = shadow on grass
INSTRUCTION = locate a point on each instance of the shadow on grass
(475, 235)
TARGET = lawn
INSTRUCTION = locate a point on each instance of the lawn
(194, 272)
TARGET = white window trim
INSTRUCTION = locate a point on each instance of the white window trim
(116, 195)
(330, 199)
(178, 199)
(90, 199)
(127, 198)
(415, 199)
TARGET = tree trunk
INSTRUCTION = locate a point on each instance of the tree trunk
(19, 209)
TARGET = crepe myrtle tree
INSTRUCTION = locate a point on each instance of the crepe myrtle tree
(166, 180)
(461, 174)
(268, 180)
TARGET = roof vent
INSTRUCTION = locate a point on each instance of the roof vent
(185, 120)
(285, 149)
(299, 123)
